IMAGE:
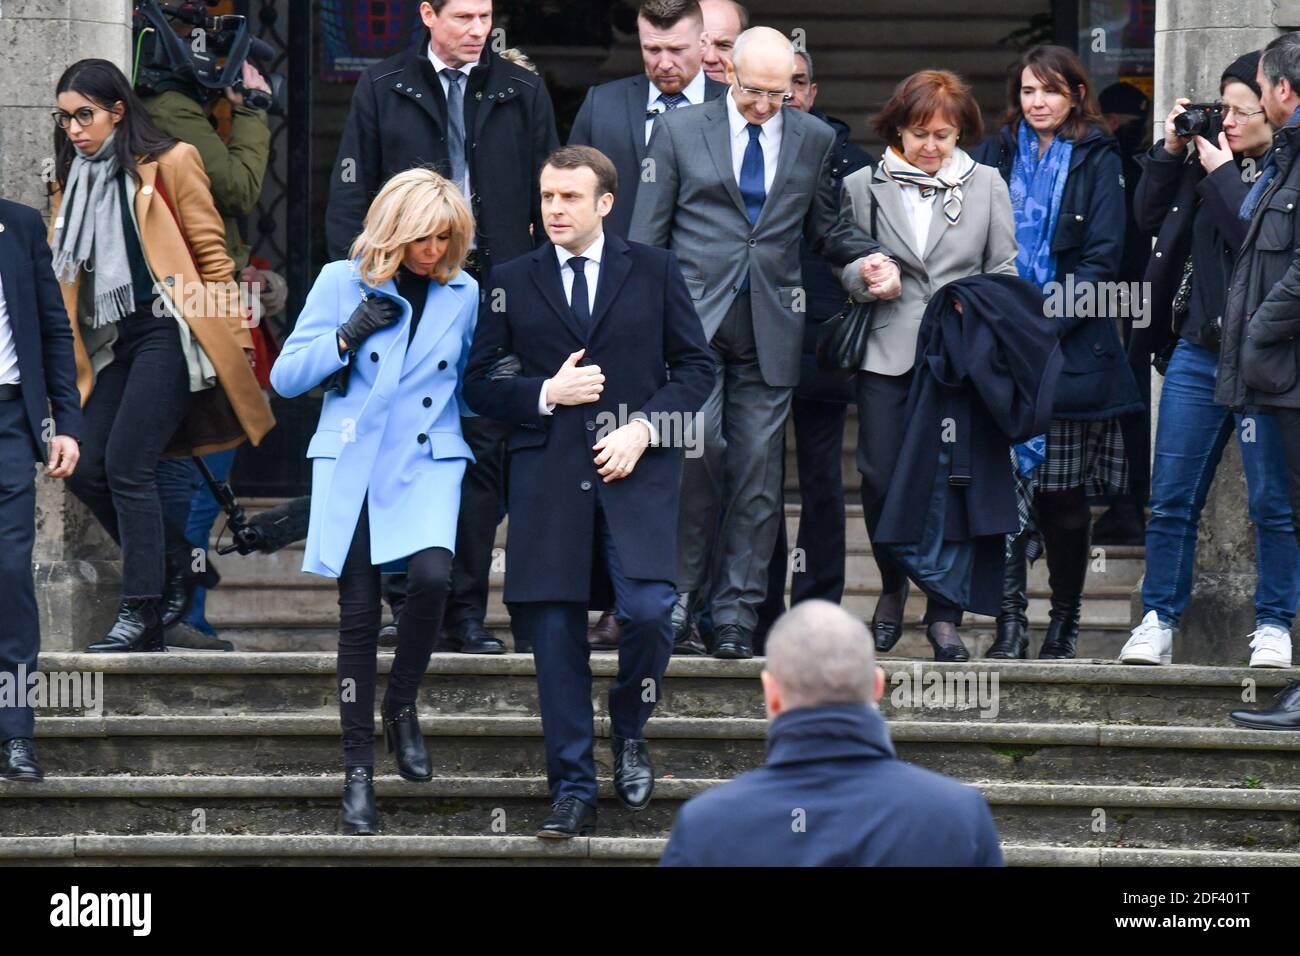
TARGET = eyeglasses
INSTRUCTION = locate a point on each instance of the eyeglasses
(781, 98)
(1242, 115)
(84, 116)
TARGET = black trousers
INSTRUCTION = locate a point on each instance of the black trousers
(427, 581)
(138, 401)
(882, 423)
(819, 564)
(20, 635)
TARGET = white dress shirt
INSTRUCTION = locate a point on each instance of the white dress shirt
(769, 140)
(8, 350)
(920, 210)
(693, 91)
(438, 67)
(591, 270)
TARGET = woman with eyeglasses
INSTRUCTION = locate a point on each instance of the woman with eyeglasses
(163, 355)
(1067, 193)
(1189, 197)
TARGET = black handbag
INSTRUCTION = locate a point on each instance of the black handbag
(842, 339)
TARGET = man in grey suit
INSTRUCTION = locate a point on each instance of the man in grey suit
(617, 117)
(731, 187)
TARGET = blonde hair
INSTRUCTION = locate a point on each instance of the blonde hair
(412, 205)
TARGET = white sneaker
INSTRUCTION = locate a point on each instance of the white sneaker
(1272, 646)
(1150, 643)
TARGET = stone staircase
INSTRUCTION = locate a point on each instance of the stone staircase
(210, 758)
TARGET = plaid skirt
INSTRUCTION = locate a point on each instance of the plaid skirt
(1084, 453)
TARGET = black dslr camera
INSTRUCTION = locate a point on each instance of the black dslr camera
(210, 59)
(1201, 119)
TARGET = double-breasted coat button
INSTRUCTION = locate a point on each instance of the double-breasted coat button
(442, 365)
(1159, 255)
(422, 438)
(1078, 218)
(428, 402)
(585, 486)
(2, 227)
(1174, 209)
(374, 356)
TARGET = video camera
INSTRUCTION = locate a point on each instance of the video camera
(162, 54)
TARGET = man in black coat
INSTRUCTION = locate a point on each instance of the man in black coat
(40, 420)
(613, 370)
(486, 123)
(831, 792)
(617, 117)
(819, 409)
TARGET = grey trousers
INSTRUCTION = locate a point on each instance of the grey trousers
(739, 474)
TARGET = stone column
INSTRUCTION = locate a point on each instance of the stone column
(77, 576)
(1195, 40)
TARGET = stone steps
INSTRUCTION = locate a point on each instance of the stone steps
(1150, 817)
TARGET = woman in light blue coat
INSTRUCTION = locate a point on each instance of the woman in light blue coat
(388, 333)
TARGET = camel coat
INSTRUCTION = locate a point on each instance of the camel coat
(196, 278)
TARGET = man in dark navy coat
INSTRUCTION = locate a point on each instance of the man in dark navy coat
(40, 420)
(832, 793)
(613, 371)
(617, 117)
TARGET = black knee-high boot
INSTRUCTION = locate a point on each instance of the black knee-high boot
(1066, 533)
(1012, 642)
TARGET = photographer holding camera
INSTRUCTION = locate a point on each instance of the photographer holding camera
(1190, 200)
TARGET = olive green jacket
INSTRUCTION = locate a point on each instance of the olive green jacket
(235, 167)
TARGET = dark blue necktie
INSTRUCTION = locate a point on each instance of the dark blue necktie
(455, 125)
(752, 175)
(579, 302)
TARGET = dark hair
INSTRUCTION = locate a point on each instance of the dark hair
(666, 14)
(923, 95)
(807, 58)
(579, 157)
(104, 84)
(1059, 69)
(1281, 58)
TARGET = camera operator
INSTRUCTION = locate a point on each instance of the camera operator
(1190, 201)
(236, 166)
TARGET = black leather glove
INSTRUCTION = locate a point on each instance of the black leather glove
(506, 367)
(374, 313)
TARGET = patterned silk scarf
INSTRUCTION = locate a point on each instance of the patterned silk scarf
(1036, 188)
(951, 177)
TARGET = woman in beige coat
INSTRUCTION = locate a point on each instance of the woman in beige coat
(163, 353)
(943, 217)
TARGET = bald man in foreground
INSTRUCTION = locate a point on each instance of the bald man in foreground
(832, 793)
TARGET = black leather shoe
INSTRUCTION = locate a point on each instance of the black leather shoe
(682, 618)
(178, 590)
(1012, 642)
(947, 643)
(1283, 715)
(471, 637)
(138, 628)
(689, 643)
(359, 816)
(885, 632)
(405, 742)
(388, 635)
(634, 775)
(18, 761)
(570, 817)
(734, 643)
(604, 634)
(1061, 642)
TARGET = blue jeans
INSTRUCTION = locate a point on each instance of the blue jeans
(1192, 432)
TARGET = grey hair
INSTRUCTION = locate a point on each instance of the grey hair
(1281, 58)
(820, 654)
(743, 39)
(807, 58)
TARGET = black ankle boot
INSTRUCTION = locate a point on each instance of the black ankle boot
(1067, 566)
(182, 581)
(1012, 642)
(138, 628)
(359, 816)
(406, 744)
